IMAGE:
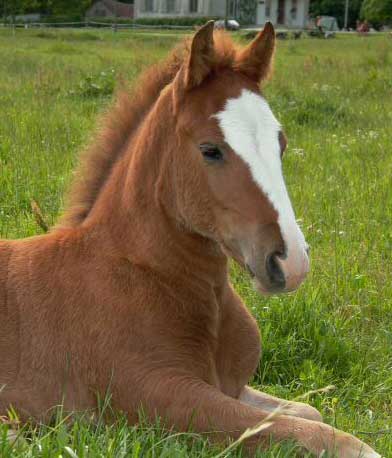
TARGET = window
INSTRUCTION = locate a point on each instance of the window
(294, 9)
(193, 6)
(268, 8)
(170, 6)
(149, 5)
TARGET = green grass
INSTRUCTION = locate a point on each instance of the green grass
(334, 99)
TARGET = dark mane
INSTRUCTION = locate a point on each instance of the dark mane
(119, 124)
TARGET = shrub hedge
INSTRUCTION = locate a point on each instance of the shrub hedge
(153, 21)
(158, 21)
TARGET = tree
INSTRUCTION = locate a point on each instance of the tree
(336, 8)
(49, 7)
(10, 8)
(377, 12)
(69, 7)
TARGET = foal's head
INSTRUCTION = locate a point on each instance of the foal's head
(227, 157)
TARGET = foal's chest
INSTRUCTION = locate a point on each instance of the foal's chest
(239, 346)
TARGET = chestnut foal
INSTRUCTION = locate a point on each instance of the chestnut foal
(132, 290)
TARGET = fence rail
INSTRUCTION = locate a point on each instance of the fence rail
(94, 24)
(121, 26)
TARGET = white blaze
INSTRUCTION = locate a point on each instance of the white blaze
(252, 131)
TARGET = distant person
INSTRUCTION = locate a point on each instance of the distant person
(363, 28)
(318, 23)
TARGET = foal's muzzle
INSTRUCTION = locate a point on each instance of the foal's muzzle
(277, 265)
(281, 269)
(287, 272)
(274, 271)
(278, 273)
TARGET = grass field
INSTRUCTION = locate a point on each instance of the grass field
(334, 98)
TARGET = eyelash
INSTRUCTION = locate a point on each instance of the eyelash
(211, 153)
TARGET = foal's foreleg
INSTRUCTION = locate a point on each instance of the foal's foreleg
(185, 402)
(270, 403)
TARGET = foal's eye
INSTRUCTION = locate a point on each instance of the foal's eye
(211, 153)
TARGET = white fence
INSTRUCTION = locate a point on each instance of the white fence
(93, 24)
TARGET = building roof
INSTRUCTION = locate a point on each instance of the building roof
(118, 9)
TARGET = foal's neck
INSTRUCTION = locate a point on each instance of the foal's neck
(133, 214)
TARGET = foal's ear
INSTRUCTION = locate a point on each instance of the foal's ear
(255, 61)
(201, 56)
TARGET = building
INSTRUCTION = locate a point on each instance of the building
(110, 8)
(287, 13)
(32, 17)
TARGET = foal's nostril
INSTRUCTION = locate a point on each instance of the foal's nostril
(274, 271)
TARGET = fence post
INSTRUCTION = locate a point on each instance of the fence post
(346, 15)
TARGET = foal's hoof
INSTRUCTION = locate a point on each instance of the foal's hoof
(349, 446)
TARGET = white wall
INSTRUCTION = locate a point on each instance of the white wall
(303, 13)
(273, 17)
(299, 21)
(181, 8)
(301, 17)
(217, 8)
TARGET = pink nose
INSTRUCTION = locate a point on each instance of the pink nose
(294, 267)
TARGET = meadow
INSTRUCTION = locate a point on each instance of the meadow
(334, 99)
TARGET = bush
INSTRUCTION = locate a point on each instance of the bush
(377, 12)
(179, 21)
(61, 19)
(110, 20)
(154, 21)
